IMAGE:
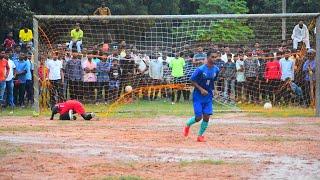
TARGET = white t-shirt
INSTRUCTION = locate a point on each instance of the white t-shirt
(11, 66)
(240, 75)
(54, 69)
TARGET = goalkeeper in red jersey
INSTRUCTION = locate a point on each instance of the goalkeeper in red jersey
(68, 109)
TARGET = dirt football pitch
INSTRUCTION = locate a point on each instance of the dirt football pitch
(238, 147)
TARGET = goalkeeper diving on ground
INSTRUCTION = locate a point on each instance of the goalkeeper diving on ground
(203, 80)
(68, 109)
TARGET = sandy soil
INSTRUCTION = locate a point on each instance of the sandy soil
(237, 147)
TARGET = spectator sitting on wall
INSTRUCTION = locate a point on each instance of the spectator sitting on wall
(76, 37)
(26, 37)
(103, 10)
(300, 34)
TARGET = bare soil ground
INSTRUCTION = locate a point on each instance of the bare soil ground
(237, 147)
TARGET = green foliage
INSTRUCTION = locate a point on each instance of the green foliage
(224, 31)
(204, 161)
(227, 31)
(222, 6)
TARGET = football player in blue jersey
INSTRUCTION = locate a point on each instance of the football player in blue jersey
(203, 80)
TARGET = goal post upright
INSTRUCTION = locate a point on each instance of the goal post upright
(318, 67)
(36, 65)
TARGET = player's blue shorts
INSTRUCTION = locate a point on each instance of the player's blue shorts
(202, 108)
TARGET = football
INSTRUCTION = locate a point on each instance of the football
(128, 89)
(267, 105)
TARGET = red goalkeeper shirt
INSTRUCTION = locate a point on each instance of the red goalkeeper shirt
(74, 105)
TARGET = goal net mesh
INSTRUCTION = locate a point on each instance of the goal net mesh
(127, 60)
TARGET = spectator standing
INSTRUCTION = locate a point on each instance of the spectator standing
(10, 84)
(89, 79)
(20, 81)
(272, 76)
(287, 71)
(177, 65)
(220, 81)
(103, 70)
(240, 77)
(229, 78)
(224, 55)
(56, 78)
(16, 53)
(199, 57)
(251, 72)
(74, 74)
(4, 72)
(309, 68)
(114, 83)
(156, 74)
(263, 59)
(29, 80)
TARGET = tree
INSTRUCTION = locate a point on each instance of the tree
(164, 7)
(225, 30)
(14, 12)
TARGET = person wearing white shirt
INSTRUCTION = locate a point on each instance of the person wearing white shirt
(300, 34)
(56, 79)
(287, 67)
(224, 55)
(10, 84)
(156, 74)
(239, 76)
(287, 71)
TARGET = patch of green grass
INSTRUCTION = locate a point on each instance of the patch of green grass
(148, 109)
(128, 177)
(205, 161)
(282, 111)
(21, 129)
(7, 148)
(280, 139)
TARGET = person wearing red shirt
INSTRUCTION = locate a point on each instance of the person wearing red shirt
(272, 75)
(68, 108)
(4, 72)
(9, 42)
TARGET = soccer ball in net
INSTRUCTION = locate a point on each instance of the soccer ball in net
(267, 105)
(128, 89)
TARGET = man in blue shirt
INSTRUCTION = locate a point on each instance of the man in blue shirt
(29, 82)
(103, 69)
(309, 68)
(20, 81)
(203, 81)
